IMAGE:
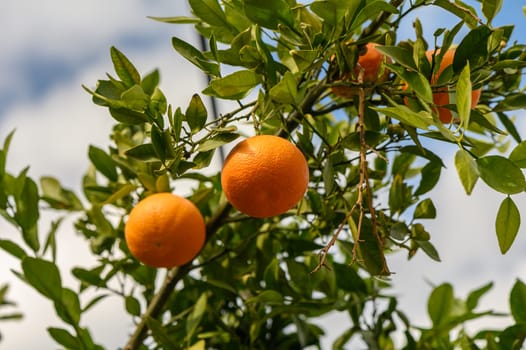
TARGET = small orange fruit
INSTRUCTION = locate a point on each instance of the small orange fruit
(165, 230)
(370, 62)
(444, 97)
(264, 176)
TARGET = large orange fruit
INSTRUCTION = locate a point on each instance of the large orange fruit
(165, 230)
(445, 96)
(371, 63)
(264, 176)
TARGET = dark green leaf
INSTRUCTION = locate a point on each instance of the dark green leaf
(518, 301)
(511, 102)
(267, 297)
(333, 11)
(143, 152)
(103, 163)
(196, 113)
(507, 224)
(195, 56)
(430, 176)
(467, 170)
(399, 231)
(234, 86)
(425, 210)
(124, 68)
(128, 116)
(27, 212)
(68, 307)
(44, 276)
(510, 126)
(372, 139)
(64, 338)
(12, 248)
(269, 13)
(348, 279)
(370, 11)
(133, 307)
(472, 49)
(160, 334)
(440, 304)
(501, 174)
(89, 277)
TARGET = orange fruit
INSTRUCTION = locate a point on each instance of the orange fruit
(264, 176)
(371, 63)
(444, 96)
(165, 230)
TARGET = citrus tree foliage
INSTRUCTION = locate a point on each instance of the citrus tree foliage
(262, 283)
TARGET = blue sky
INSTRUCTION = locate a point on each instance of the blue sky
(50, 48)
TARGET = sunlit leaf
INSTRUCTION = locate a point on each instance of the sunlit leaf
(501, 174)
(234, 86)
(124, 68)
(440, 304)
(467, 170)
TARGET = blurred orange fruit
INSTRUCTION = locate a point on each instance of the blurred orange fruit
(165, 230)
(444, 96)
(371, 63)
(264, 176)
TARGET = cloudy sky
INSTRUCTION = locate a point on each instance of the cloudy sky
(50, 48)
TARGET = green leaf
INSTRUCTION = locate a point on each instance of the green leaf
(404, 114)
(463, 95)
(430, 176)
(150, 82)
(12, 248)
(510, 126)
(127, 116)
(234, 86)
(161, 335)
(195, 57)
(176, 19)
(473, 297)
(472, 49)
(429, 249)
(518, 301)
(269, 13)
(103, 163)
(217, 141)
(501, 174)
(58, 197)
(467, 170)
(370, 11)
(124, 68)
(400, 55)
(511, 102)
(135, 98)
(210, 12)
(333, 11)
(518, 155)
(507, 224)
(44, 276)
(267, 297)
(27, 212)
(490, 8)
(440, 304)
(286, 90)
(145, 152)
(133, 307)
(64, 338)
(196, 113)
(193, 320)
(89, 277)
(463, 12)
(425, 210)
(68, 307)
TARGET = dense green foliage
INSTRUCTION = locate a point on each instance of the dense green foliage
(262, 283)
